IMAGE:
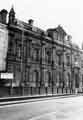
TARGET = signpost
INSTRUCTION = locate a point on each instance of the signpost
(8, 76)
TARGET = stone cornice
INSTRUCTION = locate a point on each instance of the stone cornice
(44, 38)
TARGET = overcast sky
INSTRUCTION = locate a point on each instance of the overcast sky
(51, 13)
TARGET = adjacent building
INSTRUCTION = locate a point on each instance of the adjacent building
(41, 62)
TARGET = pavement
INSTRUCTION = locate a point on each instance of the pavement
(24, 99)
(65, 108)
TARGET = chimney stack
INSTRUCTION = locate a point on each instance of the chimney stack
(69, 37)
(30, 22)
(3, 16)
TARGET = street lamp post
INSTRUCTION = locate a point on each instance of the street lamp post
(52, 68)
(63, 66)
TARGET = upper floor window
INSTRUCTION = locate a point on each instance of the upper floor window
(48, 55)
(12, 47)
(75, 58)
(28, 48)
(18, 68)
(68, 60)
(18, 51)
(59, 59)
(36, 55)
(24, 51)
(10, 68)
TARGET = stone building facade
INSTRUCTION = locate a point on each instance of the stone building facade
(42, 62)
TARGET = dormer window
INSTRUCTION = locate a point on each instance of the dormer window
(55, 36)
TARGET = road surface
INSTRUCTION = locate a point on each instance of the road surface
(70, 108)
